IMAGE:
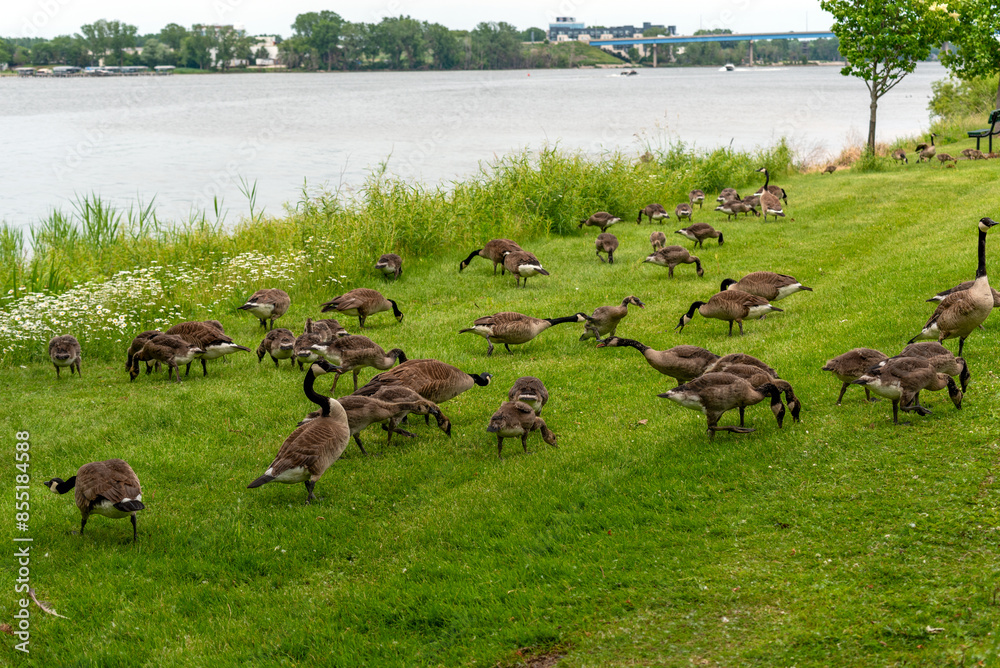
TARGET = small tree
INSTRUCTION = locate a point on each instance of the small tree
(883, 41)
(974, 32)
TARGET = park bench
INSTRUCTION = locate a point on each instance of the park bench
(987, 132)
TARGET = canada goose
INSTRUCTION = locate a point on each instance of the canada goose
(606, 243)
(696, 197)
(401, 394)
(653, 212)
(942, 359)
(110, 488)
(684, 210)
(727, 194)
(511, 328)
(960, 313)
(926, 152)
(604, 320)
(279, 344)
(671, 256)
(769, 203)
(302, 349)
(973, 154)
(699, 232)
(731, 207)
(267, 304)
(390, 264)
(493, 250)
(209, 338)
(658, 240)
(601, 219)
(354, 353)
(965, 286)
(715, 393)
(531, 391)
(853, 364)
(523, 265)
(899, 155)
(65, 351)
(752, 203)
(766, 284)
(516, 418)
(168, 349)
(432, 379)
(902, 378)
(732, 305)
(362, 302)
(922, 146)
(681, 363)
(741, 359)
(136, 346)
(363, 411)
(944, 157)
(327, 326)
(310, 450)
(830, 169)
(757, 377)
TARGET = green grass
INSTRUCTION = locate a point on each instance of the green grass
(836, 541)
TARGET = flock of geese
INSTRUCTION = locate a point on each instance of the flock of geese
(706, 382)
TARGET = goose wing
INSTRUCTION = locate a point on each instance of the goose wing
(113, 480)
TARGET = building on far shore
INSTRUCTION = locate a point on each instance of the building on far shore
(567, 29)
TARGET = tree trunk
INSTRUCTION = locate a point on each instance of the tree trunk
(997, 105)
(871, 123)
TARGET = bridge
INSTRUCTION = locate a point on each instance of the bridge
(728, 37)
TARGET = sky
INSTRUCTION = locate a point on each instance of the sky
(49, 18)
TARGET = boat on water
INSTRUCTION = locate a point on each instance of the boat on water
(729, 67)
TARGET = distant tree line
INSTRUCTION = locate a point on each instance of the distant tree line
(325, 41)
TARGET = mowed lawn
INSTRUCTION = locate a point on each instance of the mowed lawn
(840, 540)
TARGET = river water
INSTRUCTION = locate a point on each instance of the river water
(188, 140)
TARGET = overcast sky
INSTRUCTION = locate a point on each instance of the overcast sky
(48, 18)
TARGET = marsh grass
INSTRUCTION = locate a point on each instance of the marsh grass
(837, 541)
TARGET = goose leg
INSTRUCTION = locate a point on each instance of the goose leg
(524, 441)
(868, 396)
(740, 323)
(508, 348)
(311, 496)
(178, 370)
(499, 446)
(599, 256)
(57, 370)
(670, 272)
(611, 257)
(961, 344)
(204, 368)
(356, 372)
(83, 523)
(843, 389)
(275, 360)
(336, 377)
(358, 441)
(731, 328)
(187, 370)
(489, 351)
(135, 530)
(742, 409)
(361, 321)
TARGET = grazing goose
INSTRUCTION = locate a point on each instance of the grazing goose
(493, 250)
(973, 154)
(696, 197)
(362, 302)
(766, 284)
(942, 359)
(730, 207)
(715, 393)
(777, 191)
(302, 349)
(531, 391)
(601, 219)
(279, 344)
(432, 379)
(684, 210)
(390, 264)
(965, 286)
(727, 194)
(681, 363)
(604, 320)
(741, 359)
(757, 377)
(65, 351)
(606, 243)
(899, 155)
(523, 265)
(363, 412)
(168, 349)
(653, 212)
(209, 338)
(137, 343)
(516, 418)
(110, 488)
(732, 305)
(658, 240)
(960, 313)
(853, 364)
(268, 304)
(769, 202)
(830, 169)
(354, 353)
(750, 205)
(944, 157)
(513, 329)
(329, 326)
(671, 256)
(699, 232)
(310, 450)
(923, 147)
(902, 378)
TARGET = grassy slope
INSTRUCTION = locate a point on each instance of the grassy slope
(835, 541)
